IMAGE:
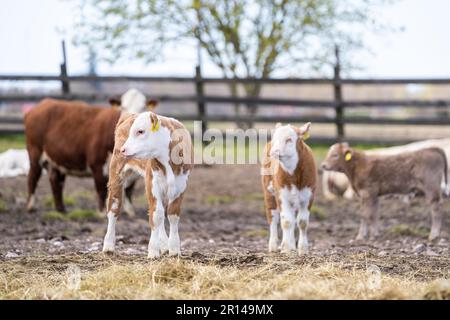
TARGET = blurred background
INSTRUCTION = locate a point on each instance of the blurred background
(373, 71)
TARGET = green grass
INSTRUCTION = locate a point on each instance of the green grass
(226, 198)
(14, 141)
(74, 215)
(219, 199)
(54, 216)
(68, 201)
(318, 213)
(3, 206)
(257, 233)
(83, 215)
(406, 230)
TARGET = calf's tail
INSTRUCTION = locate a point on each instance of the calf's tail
(446, 186)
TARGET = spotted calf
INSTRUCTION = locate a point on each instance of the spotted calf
(289, 183)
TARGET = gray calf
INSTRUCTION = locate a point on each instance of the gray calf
(373, 176)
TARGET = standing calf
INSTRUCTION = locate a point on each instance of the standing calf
(288, 181)
(159, 149)
(374, 176)
(334, 182)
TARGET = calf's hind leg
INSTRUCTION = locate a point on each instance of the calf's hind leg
(57, 179)
(33, 176)
(128, 206)
(434, 201)
(100, 185)
(113, 206)
(369, 205)
(173, 215)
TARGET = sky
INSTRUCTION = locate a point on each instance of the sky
(31, 32)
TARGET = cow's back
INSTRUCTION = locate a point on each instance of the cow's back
(69, 133)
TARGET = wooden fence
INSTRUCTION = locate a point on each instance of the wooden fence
(338, 104)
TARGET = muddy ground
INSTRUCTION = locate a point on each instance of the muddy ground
(222, 220)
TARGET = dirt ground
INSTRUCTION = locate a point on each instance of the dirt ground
(222, 221)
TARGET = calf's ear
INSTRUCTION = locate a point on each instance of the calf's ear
(303, 132)
(154, 121)
(347, 152)
(114, 102)
(152, 104)
(278, 125)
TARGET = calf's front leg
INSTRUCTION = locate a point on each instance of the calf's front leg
(368, 205)
(288, 228)
(303, 222)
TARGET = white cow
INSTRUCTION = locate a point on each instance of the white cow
(14, 162)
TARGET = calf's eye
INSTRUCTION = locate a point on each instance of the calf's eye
(139, 132)
(288, 140)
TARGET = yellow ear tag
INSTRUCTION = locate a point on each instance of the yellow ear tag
(155, 127)
(306, 136)
(348, 156)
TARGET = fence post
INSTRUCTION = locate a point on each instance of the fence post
(65, 86)
(339, 104)
(201, 105)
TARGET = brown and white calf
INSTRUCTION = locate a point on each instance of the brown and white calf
(289, 182)
(374, 176)
(159, 149)
(73, 138)
(336, 183)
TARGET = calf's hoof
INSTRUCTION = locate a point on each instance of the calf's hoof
(153, 254)
(174, 253)
(433, 237)
(302, 250)
(164, 246)
(273, 246)
(108, 248)
(287, 249)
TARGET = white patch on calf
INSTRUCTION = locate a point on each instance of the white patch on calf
(174, 238)
(144, 143)
(178, 187)
(14, 162)
(270, 188)
(284, 148)
(133, 168)
(294, 203)
(31, 202)
(105, 168)
(273, 239)
(110, 237)
(133, 101)
(159, 190)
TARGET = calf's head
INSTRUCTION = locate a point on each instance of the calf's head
(147, 138)
(337, 158)
(284, 140)
(133, 101)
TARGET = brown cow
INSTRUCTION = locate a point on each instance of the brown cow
(70, 138)
(373, 176)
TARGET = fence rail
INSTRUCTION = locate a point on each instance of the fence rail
(205, 102)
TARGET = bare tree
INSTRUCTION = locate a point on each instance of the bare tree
(244, 38)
